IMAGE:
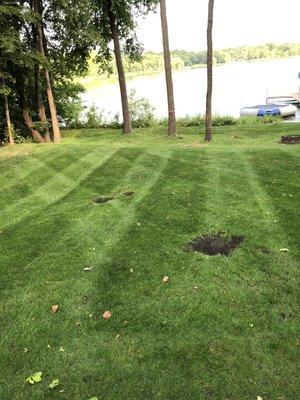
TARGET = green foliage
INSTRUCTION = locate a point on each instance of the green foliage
(16, 134)
(246, 53)
(252, 120)
(69, 103)
(142, 112)
(94, 118)
(223, 120)
(152, 62)
(122, 14)
(199, 120)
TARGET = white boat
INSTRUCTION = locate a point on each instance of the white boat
(281, 110)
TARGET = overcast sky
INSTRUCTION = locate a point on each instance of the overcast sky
(237, 23)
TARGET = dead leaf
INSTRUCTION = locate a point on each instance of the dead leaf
(166, 279)
(107, 315)
(54, 308)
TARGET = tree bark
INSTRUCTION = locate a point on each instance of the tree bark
(208, 118)
(40, 104)
(168, 69)
(25, 109)
(8, 122)
(50, 96)
(127, 127)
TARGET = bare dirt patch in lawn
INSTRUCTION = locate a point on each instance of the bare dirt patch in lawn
(128, 194)
(215, 244)
(290, 139)
(102, 200)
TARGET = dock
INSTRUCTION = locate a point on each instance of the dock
(291, 98)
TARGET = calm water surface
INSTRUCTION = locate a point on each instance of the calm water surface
(236, 85)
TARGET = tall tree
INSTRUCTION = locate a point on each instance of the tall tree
(127, 127)
(116, 23)
(41, 110)
(168, 70)
(208, 118)
(9, 129)
(14, 54)
(38, 7)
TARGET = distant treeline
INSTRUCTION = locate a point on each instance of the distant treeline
(154, 62)
(248, 53)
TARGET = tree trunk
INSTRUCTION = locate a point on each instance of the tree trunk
(28, 121)
(168, 69)
(40, 104)
(25, 109)
(208, 119)
(8, 123)
(50, 96)
(127, 127)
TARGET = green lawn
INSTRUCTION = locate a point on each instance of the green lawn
(223, 328)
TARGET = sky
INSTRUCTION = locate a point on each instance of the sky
(237, 23)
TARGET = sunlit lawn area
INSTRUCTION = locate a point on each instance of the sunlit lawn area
(222, 328)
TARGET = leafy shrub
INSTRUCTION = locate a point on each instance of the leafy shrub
(94, 118)
(253, 120)
(224, 120)
(142, 112)
(16, 134)
(190, 121)
(199, 120)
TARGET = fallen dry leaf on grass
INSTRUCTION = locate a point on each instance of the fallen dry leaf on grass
(166, 279)
(35, 378)
(107, 315)
(54, 383)
(54, 308)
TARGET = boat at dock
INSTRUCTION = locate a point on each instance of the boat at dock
(262, 110)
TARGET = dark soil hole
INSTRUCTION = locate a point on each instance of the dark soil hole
(102, 200)
(215, 244)
(128, 194)
(290, 139)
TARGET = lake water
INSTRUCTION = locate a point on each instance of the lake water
(236, 85)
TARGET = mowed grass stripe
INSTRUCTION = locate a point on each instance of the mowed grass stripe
(167, 319)
(278, 172)
(223, 327)
(58, 289)
(27, 235)
(50, 189)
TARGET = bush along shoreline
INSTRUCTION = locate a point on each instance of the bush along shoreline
(143, 116)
